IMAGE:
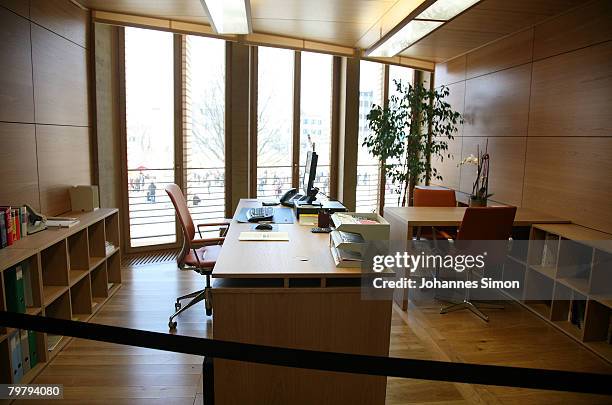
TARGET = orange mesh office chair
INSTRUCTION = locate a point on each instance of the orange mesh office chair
(483, 224)
(198, 254)
(427, 197)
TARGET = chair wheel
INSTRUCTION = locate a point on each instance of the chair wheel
(177, 306)
(208, 309)
(172, 325)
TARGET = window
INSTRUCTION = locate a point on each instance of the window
(204, 127)
(370, 92)
(149, 88)
(274, 121)
(315, 115)
(406, 76)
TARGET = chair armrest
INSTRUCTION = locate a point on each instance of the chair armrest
(208, 241)
(222, 223)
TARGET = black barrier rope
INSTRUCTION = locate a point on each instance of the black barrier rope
(520, 377)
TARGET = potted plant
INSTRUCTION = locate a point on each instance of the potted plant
(415, 126)
(480, 188)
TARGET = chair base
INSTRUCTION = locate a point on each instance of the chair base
(200, 295)
(471, 306)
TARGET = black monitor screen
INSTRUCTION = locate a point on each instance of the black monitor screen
(310, 171)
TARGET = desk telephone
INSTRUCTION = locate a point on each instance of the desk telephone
(291, 196)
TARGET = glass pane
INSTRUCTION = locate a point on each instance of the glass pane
(149, 80)
(204, 127)
(274, 121)
(406, 76)
(315, 115)
(370, 92)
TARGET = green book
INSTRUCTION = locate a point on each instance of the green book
(15, 299)
(27, 284)
(33, 348)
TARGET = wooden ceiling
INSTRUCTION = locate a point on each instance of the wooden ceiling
(483, 23)
(360, 23)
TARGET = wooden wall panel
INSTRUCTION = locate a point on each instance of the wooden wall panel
(497, 104)
(21, 7)
(507, 165)
(450, 72)
(60, 79)
(585, 26)
(43, 80)
(18, 166)
(546, 116)
(505, 53)
(570, 178)
(62, 17)
(16, 100)
(64, 160)
(571, 94)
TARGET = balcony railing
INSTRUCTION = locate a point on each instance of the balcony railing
(367, 188)
(151, 214)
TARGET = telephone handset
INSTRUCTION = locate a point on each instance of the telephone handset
(287, 198)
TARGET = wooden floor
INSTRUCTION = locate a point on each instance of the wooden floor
(101, 373)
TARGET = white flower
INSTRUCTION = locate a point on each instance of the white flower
(470, 160)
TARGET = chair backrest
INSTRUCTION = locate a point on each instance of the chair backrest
(434, 198)
(180, 205)
(486, 224)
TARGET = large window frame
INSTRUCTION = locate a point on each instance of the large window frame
(296, 122)
(179, 43)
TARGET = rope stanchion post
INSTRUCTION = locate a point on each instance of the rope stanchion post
(208, 381)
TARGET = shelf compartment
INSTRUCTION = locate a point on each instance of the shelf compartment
(80, 297)
(60, 307)
(52, 293)
(111, 229)
(574, 266)
(539, 292)
(520, 244)
(598, 323)
(579, 284)
(54, 262)
(96, 240)
(544, 270)
(77, 275)
(78, 251)
(601, 277)
(514, 271)
(99, 282)
(113, 268)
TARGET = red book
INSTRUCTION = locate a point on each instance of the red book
(17, 223)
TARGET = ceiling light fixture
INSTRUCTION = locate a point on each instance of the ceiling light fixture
(422, 21)
(229, 16)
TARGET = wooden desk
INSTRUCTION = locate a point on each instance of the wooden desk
(402, 221)
(291, 294)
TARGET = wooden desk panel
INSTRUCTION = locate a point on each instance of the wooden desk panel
(265, 293)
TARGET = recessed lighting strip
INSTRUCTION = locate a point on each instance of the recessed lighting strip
(417, 25)
(229, 16)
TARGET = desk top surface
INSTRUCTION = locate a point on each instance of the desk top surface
(306, 254)
(452, 216)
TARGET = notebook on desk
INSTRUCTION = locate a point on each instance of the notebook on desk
(263, 236)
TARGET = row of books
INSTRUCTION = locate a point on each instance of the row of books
(13, 225)
(18, 287)
(24, 353)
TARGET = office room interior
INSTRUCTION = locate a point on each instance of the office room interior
(306, 201)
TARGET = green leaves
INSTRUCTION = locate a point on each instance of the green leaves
(413, 128)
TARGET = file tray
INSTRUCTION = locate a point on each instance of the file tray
(370, 225)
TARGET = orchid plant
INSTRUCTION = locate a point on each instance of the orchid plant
(480, 188)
